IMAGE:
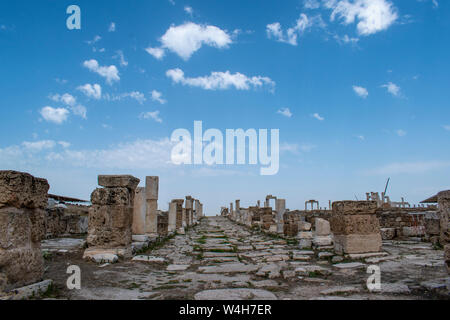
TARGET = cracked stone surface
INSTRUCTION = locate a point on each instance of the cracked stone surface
(218, 259)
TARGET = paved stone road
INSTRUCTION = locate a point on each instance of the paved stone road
(219, 259)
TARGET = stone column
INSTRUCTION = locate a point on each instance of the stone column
(231, 211)
(111, 218)
(179, 214)
(189, 209)
(258, 203)
(280, 205)
(23, 199)
(355, 227)
(172, 216)
(139, 212)
(197, 210)
(151, 197)
(444, 209)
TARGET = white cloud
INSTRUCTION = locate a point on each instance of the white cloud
(66, 98)
(274, 30)
(311, 4)
(446, 127)
(79, 110)
(71, 101)
(64, 144)
(92, 91)
(317, 116)
(361, 91)
(56, 115)
(289, 147)
(392, 88)
(186, 39)
(136, 95)
(220, 80)
(372, 16)
(361, 137)
(157, 96)
(409, 168)
(346, 39)
(121, 58)
(110, 73)
(95, 40)
(158, 53)
(285, 112)
(112, 27)
(39, 145)
(151, 115)
(189, 10)
(401, 133)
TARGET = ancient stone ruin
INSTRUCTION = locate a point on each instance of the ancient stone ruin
(111, 218)
(23, 199)
(133, 248)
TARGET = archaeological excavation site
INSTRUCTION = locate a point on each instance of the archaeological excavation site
(119, 245)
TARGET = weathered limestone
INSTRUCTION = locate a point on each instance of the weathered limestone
(172, 218)
(23, 199)
(355, 227)
(189, 210)
(111, 217)
(139, 211)
(151, 197)
(444, 210)
(280, 207)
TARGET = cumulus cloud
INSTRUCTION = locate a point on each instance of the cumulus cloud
(392, 88)
(372, 16)
(95, 40)
(110, 73)
(446, 127)
(401, 133)
(91, 91)
(361, 91)
(55, 115)
(275, 31)
(151, 115)
(71, 101)
(220, 80)
(285, 112)
(112, 27)
(311, 4)
(157, 96)
(317, 116)
(186, 39)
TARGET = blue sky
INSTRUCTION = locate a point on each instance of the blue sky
(358, 90)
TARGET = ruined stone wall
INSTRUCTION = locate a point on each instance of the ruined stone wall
(23, 199)
(401, 222)
(60, 221)
(291, 224)
(355, 227)
(111, 215)
(163, 223)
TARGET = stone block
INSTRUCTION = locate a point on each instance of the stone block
(110, 226)
(447, 257)
(357, 243)
(114, 181)
(387, 233)
(21, 266)
(322, 227)
(152, 188)
(305, 235)
(413, 231)
(111, 196)
(304, 226)
(355, 224)
(22, 190)
(354, 207)
(322, 241)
